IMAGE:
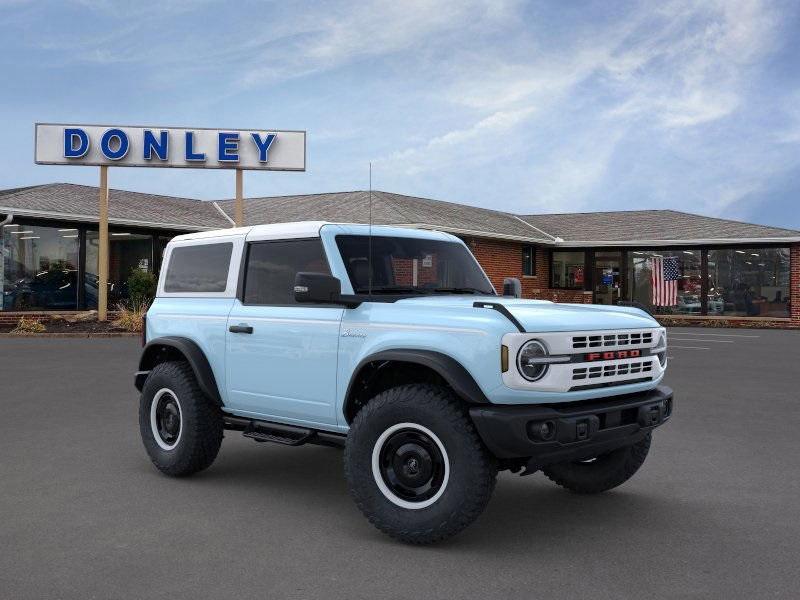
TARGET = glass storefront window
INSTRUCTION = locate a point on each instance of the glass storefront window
(607, 280)
(127, 251)
(746, 282)
(568, 270)
(39, 268)
(667, 281)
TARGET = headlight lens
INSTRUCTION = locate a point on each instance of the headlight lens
(661, 349)
(527, 360)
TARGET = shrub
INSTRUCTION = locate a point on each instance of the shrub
(130, 318)
(141, 288)
(26, 325)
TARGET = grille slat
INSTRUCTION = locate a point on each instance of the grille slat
(612, 340)
(603, 371)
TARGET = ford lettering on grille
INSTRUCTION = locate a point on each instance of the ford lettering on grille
(612, 355)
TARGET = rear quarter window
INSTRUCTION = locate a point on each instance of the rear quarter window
(198, 269)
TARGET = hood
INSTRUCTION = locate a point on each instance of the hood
(543, 315)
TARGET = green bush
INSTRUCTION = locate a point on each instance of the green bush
(141, 287)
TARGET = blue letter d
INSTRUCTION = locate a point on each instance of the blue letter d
(73, 136)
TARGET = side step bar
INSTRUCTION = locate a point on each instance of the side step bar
(280, 433)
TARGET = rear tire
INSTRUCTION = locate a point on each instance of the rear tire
(602, 473)
(415, 465)
(181, 428)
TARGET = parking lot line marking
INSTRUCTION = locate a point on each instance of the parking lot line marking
(690, 347)
(701, 340)
(717, 335)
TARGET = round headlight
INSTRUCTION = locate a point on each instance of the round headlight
(529, 360)
(661, 349)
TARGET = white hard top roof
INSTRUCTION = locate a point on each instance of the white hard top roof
(296, 229)
(307, 229)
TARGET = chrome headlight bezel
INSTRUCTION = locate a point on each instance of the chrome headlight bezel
(540, 367)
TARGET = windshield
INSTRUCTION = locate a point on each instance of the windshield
(411, 266)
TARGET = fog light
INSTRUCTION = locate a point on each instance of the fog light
(544, 430)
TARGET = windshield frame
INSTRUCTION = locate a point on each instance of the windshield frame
(480, 284)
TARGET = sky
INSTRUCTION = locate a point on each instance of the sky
(528, 107)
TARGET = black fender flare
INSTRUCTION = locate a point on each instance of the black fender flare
(193, 354)
(452, 371)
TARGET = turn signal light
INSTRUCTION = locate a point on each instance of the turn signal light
(504, 358)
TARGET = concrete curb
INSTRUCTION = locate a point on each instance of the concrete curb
(115, 334)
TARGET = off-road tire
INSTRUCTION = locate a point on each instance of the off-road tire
(201, 426)
(603, 473)
(472, 470)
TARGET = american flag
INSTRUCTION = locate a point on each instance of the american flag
(665, 280)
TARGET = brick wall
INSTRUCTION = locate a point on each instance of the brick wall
(502, 259)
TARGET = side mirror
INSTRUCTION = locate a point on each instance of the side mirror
(512, 287)
(319, 288)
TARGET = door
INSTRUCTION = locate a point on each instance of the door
(281, 356)
(607, 277)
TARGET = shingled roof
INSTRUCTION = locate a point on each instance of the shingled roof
(79, 203)
(67, 201)
(635, 227)
(388, 209)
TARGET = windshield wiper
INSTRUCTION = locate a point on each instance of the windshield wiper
(462, 290)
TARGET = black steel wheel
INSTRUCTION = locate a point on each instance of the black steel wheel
(165, 418)
(410, 465)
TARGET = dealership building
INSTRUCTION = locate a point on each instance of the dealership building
(716, 270)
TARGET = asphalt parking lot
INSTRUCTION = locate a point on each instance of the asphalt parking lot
(714, 512)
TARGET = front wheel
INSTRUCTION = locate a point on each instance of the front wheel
(415, 465)
(181, 429)
(601, 473)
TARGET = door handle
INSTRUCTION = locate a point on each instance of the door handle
(240, 329)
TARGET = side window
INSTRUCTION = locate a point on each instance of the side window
(529, 260)
(202, 268)
(272, 267)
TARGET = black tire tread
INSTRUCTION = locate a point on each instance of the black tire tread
(203, 428)
(617, 467)
(417, 396)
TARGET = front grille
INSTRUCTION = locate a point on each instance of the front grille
(614, 370)
(612, 340)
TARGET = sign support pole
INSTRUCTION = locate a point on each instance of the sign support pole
(239, 209)
(102, 257)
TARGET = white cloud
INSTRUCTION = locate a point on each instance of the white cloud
(476, 144)
(348, 32)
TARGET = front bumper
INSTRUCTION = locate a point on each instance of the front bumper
(551, 433)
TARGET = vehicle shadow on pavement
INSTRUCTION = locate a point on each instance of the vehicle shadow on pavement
(525, 513)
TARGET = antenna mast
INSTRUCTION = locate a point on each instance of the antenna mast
(369, 248)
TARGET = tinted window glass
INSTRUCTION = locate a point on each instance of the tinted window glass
(568, 270)
(38, 268)
(272, 267)
(411, 266)
(528, 260)
(199, 268)
(749, 282)
(668, 281)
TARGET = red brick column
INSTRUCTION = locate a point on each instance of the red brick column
(794, 283)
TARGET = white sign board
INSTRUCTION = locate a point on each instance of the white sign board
(182, 147)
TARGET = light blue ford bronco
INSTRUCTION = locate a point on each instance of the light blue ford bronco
(392, 343)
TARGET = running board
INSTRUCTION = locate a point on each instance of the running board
(280, 433)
